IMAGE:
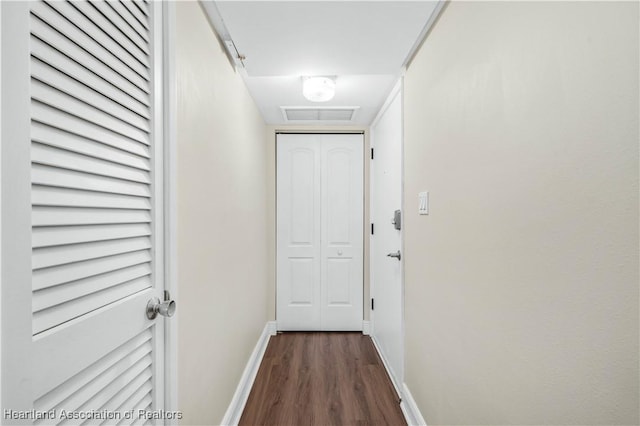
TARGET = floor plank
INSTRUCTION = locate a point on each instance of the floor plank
(322, 378)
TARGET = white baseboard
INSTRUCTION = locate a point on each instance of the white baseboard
(394, 382)
(366, 328)
(236, 407)
(410, 409)
(273, 328)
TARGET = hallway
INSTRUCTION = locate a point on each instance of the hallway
(316, 378)
(474, 250)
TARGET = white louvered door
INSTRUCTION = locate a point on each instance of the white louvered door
(84, 140)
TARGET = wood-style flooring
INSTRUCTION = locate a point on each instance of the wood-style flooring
(321, 378)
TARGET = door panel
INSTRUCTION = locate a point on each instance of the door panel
(338, 282)
(298, 239)
(301, 280)
(319, 202)
(342, 228)
(386, 272)
(96, 223)
(302, 181)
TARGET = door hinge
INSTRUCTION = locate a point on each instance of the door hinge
(372, 229)
(372, 153)
(372, 304)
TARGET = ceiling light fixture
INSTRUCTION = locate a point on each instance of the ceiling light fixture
(318, 89)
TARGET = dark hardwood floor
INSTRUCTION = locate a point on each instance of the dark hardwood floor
(321, 378)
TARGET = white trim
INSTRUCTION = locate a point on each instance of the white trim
(425, 32)
(158, 214)
(394, 381)
(170, 205)
(397, 88)
(236, 407)
(219, 28)
(410, 409)
(273, 328)
(0, 206)
(366, 328)
(16, 335)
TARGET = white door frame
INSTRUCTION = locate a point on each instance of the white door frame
(169, 117)
(16, 195)
(170, 113)
(0, 204)
(396, 381)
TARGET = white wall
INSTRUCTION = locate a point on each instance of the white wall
(522, 282)
(222, 227)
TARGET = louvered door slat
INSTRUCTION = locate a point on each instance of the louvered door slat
(143, 403)
(137, 13)
(54, 216)
(71, 105)
(55, 118)
(135, 406)
(70, 59)
(62, 178)
(97, 31)
(52, 77)
(121, 34)
(44, 278)
(143, 421)
(60, 255)
(139, 372)
(54, 157)
(74, 308)
(64, 197)
(136, 389)
(73, 143)
(52, 296)
(112, 365)
(131, 20)
(49, 16)
(64, 235)
(142, 5)
(119, 28)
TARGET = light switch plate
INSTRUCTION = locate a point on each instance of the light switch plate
(423, 202)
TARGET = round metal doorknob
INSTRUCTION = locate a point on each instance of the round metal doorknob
(396, 255)
(155, 307)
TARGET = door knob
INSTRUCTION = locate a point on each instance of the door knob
(396, 255)
(155, 307)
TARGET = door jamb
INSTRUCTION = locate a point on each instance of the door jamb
(170, 203)
(0, 206)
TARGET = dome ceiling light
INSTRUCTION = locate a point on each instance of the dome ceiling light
(318, 89)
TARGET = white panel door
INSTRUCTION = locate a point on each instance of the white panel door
(386, 272)
(319, 232)
(342, 229)
(82, 211)
(298, 233)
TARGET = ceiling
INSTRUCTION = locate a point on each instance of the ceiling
(364, 44)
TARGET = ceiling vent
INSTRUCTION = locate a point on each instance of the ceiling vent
(319, 113)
